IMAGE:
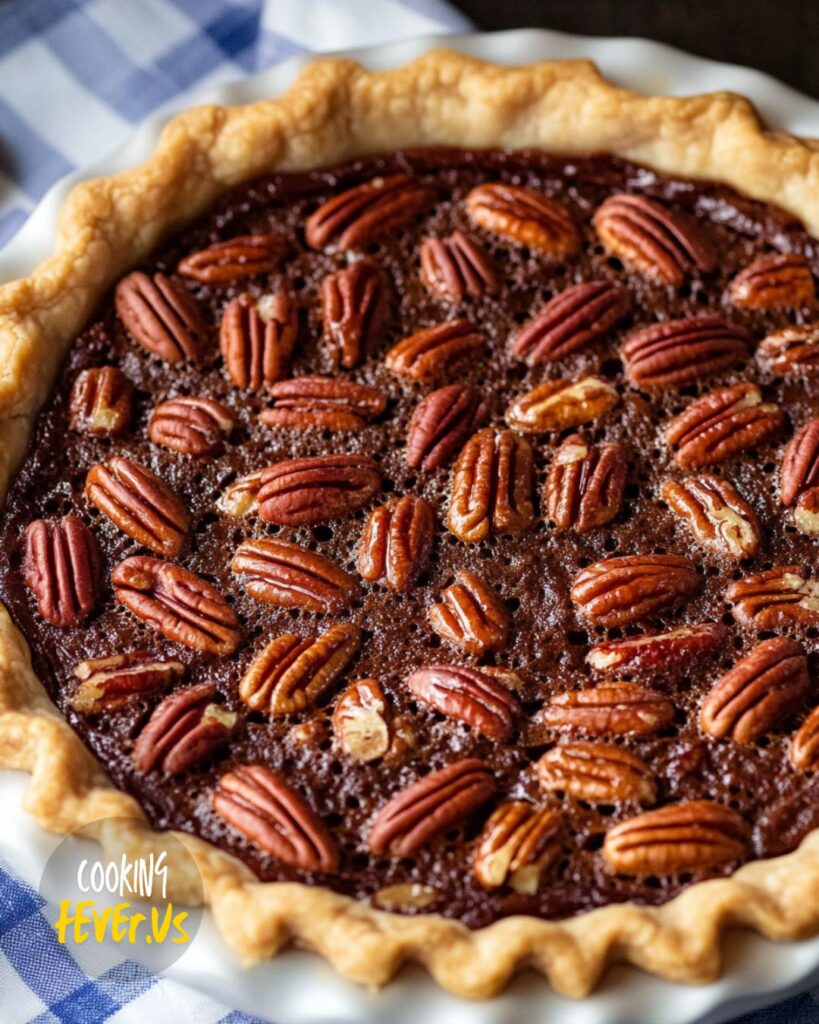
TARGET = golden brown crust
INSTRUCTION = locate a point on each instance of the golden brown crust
(335, 111)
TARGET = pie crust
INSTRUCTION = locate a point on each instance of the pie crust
(336, 111)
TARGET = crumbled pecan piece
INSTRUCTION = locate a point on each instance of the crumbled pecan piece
(774, 281)
(433, 351)
(405, 897)
(107, 683)
(457, 266)
(62, 567)
(654, 652)
(241, 498)
(585, 485)
(286, 574)
(354, 306)
(361, 721)
(397, 542)
(101, 401)
(359, 216)
(238, 257)
(185, 729)
(777, 597)
(622, 590)
(560, 404)
(611, 709)
(315, 489)
(476, 696)
(162, 317)
(676, 352)
(806, 513)
(257, 338)
(193, 426)
(598, 772)
(523, 216)
(471, 615)
(323, 402)
(519, 844)
(440, 425)
(791, 352)
(805, 744)
(718, 516)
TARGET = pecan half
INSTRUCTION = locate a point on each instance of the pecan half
(653, 652)
(722, 424)
(774, 281)
(354, 305)
(805, 744)
(800, 463)
(257, 338)
(285, 574)
(611, 709)
(141, 504)
(434, 350)
(806, 513)
(757, 692)
(100, 402)
(791, 352)
(560, 404)
(260, 805)
(242, 256)
(457, 266)
(492, 487)
(360, 721)
(184, 730)
(397, 542)
(323, 402)
(193, 426)
(107, 683)
(664, 246)
(676, 352)
(441, 423)
(778, 597)
(472, 695)
(241, 498)
(519, 844)
(718, 516)
(598, 772)
(570, 321)
(303, 492)
(431, 805)
(359, 216)
(524, 216)
(292, 672)
(162, 317)
(689, 836)
(622, 590)
(471, 615)
(177, 603)
(62, 568)
(585, 485)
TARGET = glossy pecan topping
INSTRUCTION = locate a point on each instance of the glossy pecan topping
(177, 603)
(676, 352)
(664, 246)
(241, 498)
(193, 426)
(800, 463)
(285, 574)
(397, 542)
(142, 505)
(757, 692)
(265, 809)
(656, 652)
(440, 425)
(257, 338)
(598, 772)
(107, 683)
(689, 836)
(431, 805)
(721, 425)
(361, 721)
(561, 404)
(326, 403)
(292, 672)
(184, 730)
(524, 216)
(622, 590)
(471, 615)
(457, 266)
(611, 709)
(359, 216)
(585, 485)
(805, 744)
(777, 597)
(354, 305)
(315, 489)
(571, 321)
(791, 352)
(718, 516)
(492, 487)
(62, 568)
(101, 401)
(162, 317)
(238, 257)
(476, 696)
(519, 844)
(774, 281)
(434, 350)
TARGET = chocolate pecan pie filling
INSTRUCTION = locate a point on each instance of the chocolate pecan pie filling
(443, 529)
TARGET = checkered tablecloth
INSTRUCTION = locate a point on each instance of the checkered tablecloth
(76, 76)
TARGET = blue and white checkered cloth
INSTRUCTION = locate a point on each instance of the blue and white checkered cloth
(75, 77)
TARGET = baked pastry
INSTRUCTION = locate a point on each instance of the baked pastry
(431, 538)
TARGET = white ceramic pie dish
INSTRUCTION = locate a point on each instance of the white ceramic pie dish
(297, 987)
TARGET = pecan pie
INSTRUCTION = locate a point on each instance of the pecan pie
(432, 533)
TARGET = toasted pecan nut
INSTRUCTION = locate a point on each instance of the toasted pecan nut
(691, 836)
(800, 463)
(611, 709)
(805, 744)
(561, 404)
(177, 603)
(523, 216)
(260, 805)
(775, 598)
(598, 772)
(193, 426)
(441, 423)
(396, 542)
(257, 338)
(656, 652)
(315, 489)
(572, 320)
(326, 403)
(519, 844)
(142, 505)
(718, 516)
(354, 306)
(472, 695)
(292, 672)
(361, 721)
(100, 402)
(162, 317)
(622, 590)
(107, 683)
(585, 485)
(676, 352)
(471, 615)
(62, 568)
(431, 805)
(290, 576)
(241, 498)
(774, 281)
(492, 487)
(757, 692)
(791, 352)
(457, 266)
(243, 256)
(405, 897)
(806, 513)
(184, 730)
(433, 351)
(662, 245)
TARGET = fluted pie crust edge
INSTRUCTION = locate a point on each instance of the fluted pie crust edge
(334, 112)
